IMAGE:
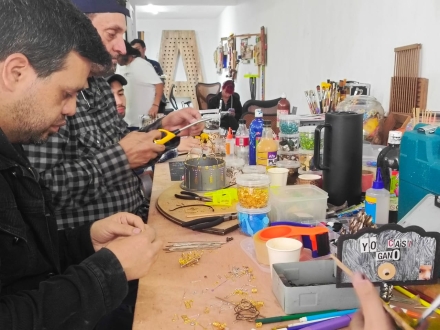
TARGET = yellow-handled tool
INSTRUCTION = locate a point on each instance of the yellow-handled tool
(168, 136)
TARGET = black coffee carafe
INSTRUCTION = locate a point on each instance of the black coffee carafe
(341, 162)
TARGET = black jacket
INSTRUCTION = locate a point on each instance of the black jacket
(33, 254)
(233, 102)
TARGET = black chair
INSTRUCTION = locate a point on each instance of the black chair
(249, 116)
(268, 107)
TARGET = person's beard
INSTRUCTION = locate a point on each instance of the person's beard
(101, 71)
(29, 125)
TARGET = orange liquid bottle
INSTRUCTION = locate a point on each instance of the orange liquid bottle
(267, 147)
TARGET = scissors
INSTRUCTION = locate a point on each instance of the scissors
(168, 136)
(192, 197)
(209, 222)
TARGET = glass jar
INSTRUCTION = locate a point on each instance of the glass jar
(307, 137)
(371, 109)
(293, 167)
(288, 142)
(234, 167)
(254, 169)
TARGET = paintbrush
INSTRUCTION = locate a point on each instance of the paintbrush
(400, 322)
(429, 311)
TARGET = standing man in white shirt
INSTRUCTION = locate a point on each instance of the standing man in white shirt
(144, 89)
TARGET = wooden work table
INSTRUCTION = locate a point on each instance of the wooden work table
(163, 292)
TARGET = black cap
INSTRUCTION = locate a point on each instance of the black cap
(267, 123)
(117, 77)
(101, 6)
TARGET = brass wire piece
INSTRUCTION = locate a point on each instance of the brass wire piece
(247, 310)
(190, 258)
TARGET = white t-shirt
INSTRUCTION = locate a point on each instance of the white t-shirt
(140, 90)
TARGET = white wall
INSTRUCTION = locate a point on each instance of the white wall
(312, 40)
(206, 34)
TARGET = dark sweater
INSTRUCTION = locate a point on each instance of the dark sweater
(233, 102)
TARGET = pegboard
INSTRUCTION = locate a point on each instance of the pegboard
(184, 43)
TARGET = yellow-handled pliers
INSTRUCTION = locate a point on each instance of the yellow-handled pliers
(168, 136)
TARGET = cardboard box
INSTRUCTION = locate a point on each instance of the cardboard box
(315, 288)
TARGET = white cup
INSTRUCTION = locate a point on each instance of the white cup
(282, 250)
(278, 176)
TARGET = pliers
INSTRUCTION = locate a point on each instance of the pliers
(209, 222)
(192, 196)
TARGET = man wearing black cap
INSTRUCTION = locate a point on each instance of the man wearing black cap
(117, 83)
(145, 88)
(88, 165)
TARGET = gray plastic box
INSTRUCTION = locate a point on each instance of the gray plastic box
(315, 288)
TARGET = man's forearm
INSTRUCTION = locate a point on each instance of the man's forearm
(159, 92)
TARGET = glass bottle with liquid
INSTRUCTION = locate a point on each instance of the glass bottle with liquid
(267, 147)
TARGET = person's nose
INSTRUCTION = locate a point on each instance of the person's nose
(70, 107)
(119, 46)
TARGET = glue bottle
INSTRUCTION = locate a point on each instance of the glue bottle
(377, 201)
(230, 142)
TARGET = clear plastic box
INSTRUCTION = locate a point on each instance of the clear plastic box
(297, 203)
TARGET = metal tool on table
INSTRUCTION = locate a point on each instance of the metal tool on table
(192, 196)
(168, 136)
(208, 222)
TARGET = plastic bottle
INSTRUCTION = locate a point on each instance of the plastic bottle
(283, 108)
(242, 141)
(388, 163)
(255, 131)
(377, 201)
(267, 147)
(229, 143)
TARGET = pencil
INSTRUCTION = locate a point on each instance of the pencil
(418, 293)
(410, 295)
(290, 317)
(400, 322)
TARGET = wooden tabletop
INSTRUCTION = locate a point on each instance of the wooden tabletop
(163, 292)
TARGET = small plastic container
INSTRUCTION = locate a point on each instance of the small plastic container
(298, 203)
(307, 137)
(252, 221)
(234, 167)
(253, 190)
(289, 124)
(254, 169)
(288, 155)
(293, 167)
(288, 142)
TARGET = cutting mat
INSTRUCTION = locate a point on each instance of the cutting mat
(167, 202)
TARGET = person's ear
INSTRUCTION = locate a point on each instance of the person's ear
(16, 69)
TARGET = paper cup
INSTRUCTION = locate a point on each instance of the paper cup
(278, 176)
(283, 250)
(313, 179)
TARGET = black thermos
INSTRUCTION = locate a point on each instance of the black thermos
(341, 163)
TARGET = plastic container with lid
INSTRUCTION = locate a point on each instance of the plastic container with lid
(288, 155)
(254, 169)
(298, 203)
(252, 220)
(371, 109)
(289, 124)
(293, 167)
(307, 137)
(288, 142)
(253, 190)
(234, 167)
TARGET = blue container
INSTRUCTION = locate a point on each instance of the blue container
(252, 221)
(419, 167)
(255, 131)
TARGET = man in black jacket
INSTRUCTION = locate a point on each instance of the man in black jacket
(53, 279)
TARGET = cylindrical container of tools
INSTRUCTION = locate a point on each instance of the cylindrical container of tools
(204, 173)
